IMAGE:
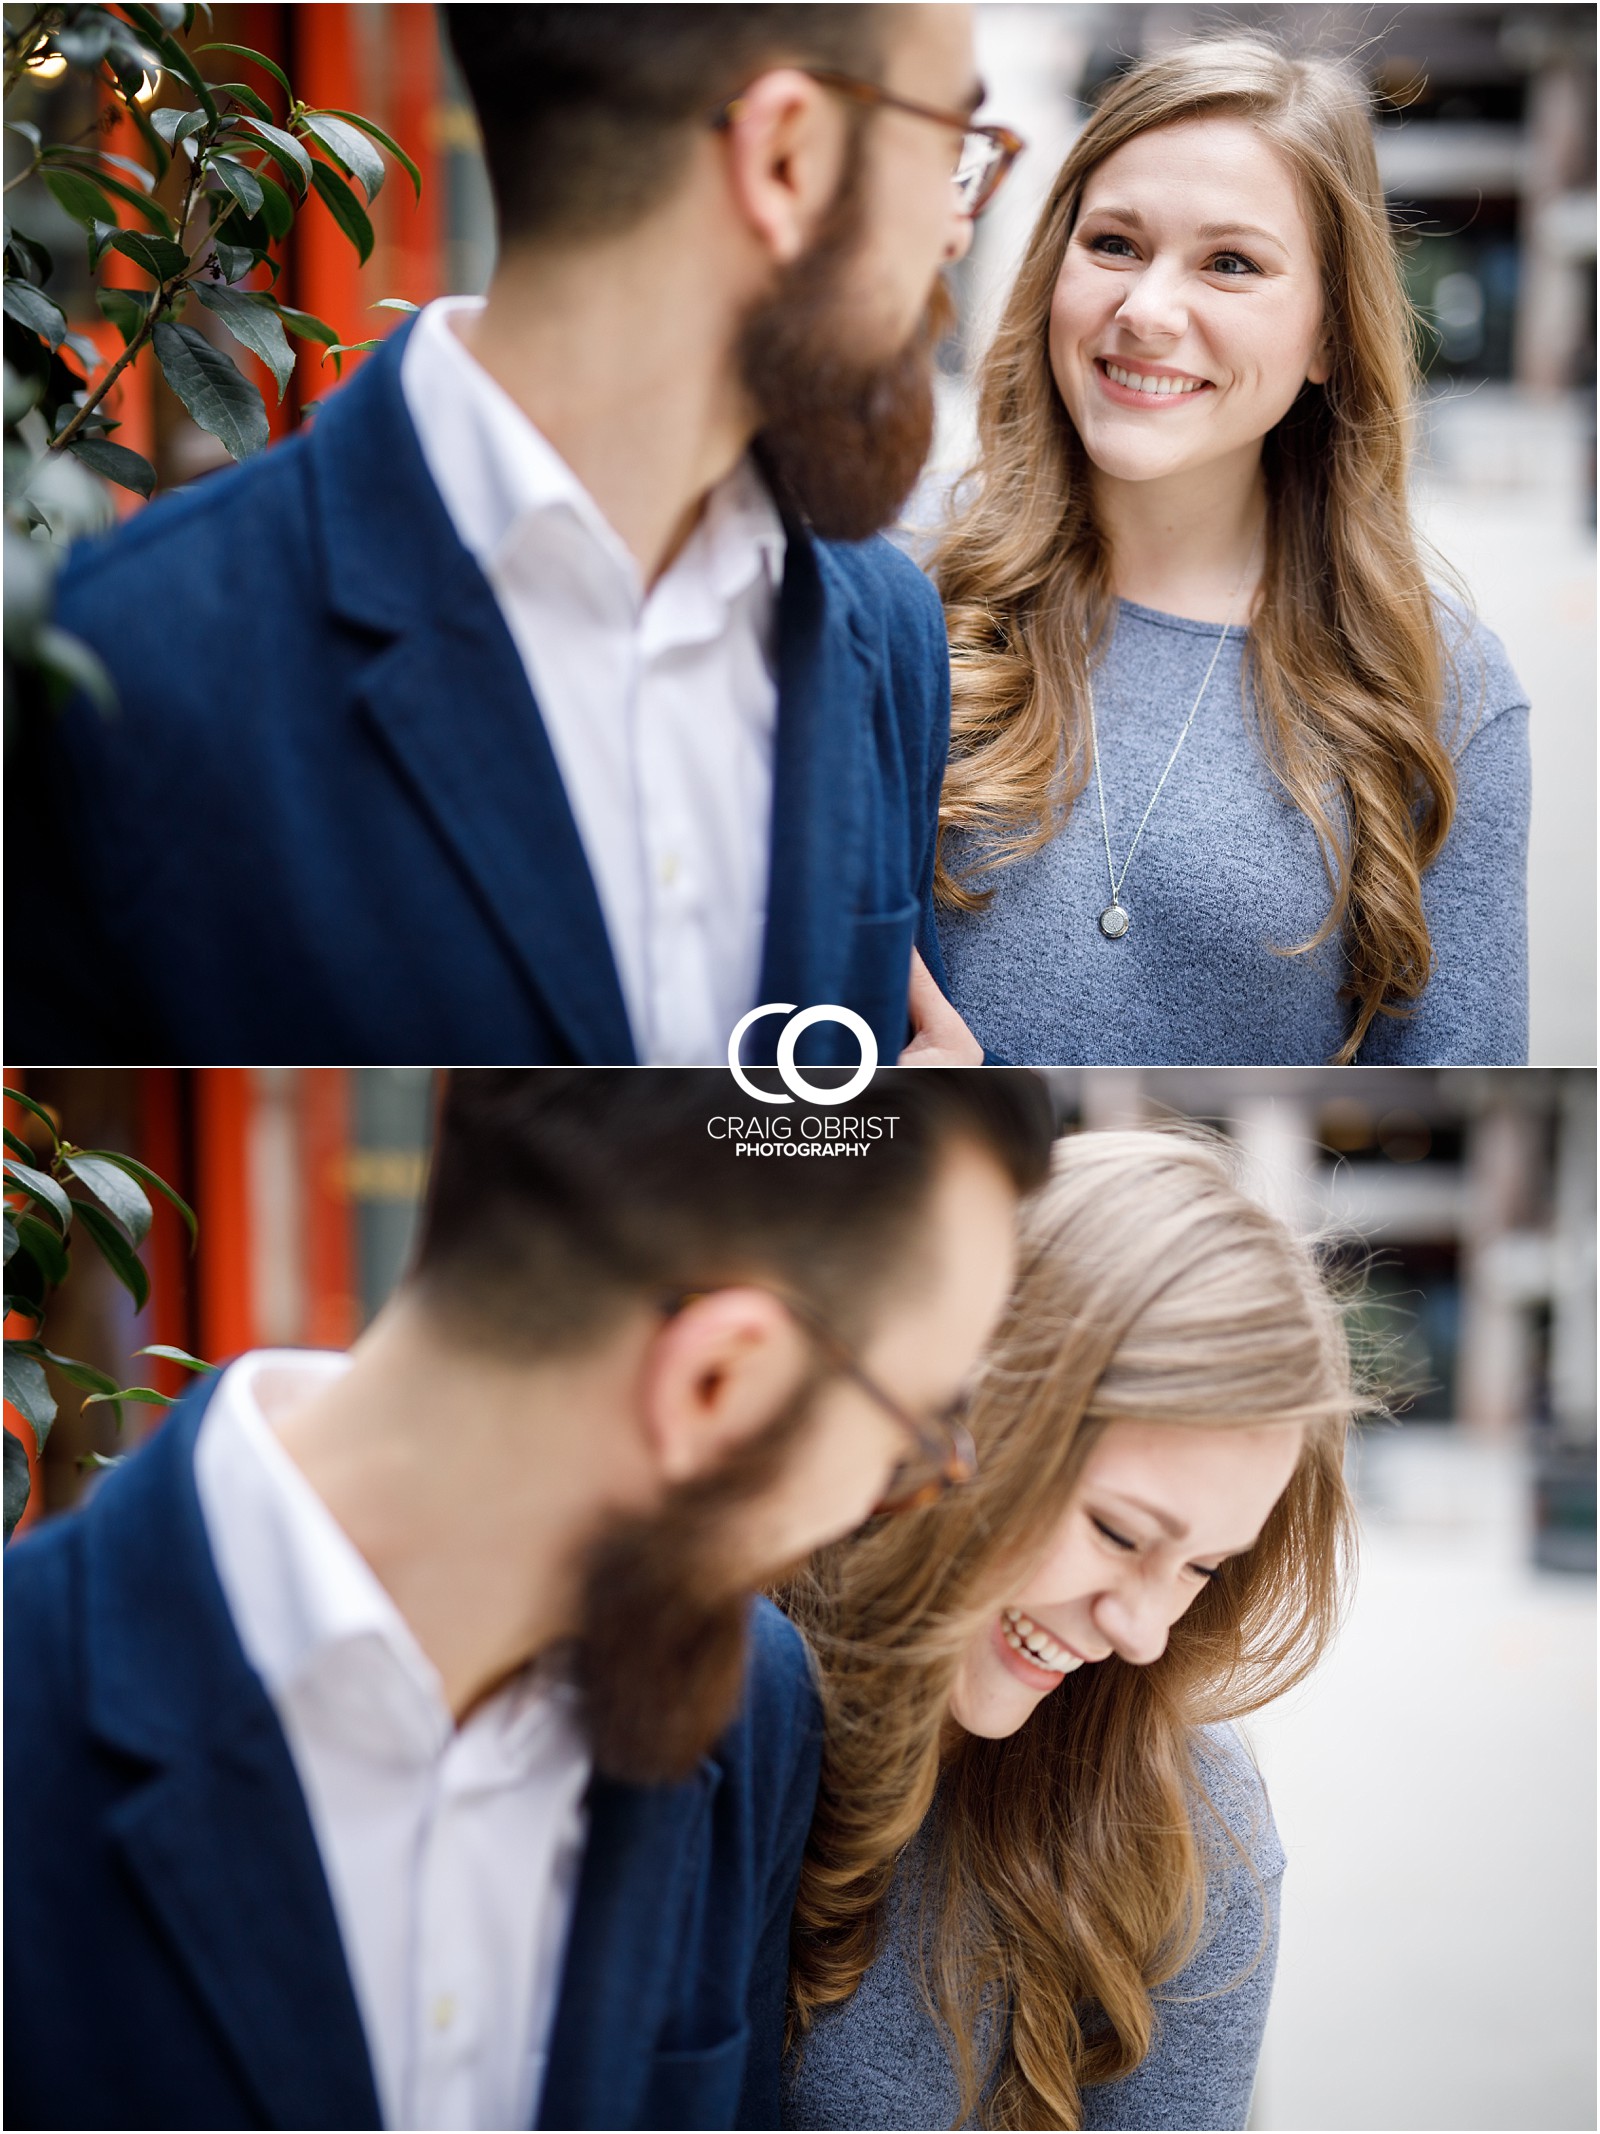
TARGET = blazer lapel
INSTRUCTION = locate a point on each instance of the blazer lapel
(638, 1869)
(826, 674)
(216, 1833)
(447, 692)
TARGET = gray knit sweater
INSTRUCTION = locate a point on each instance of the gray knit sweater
(879, 2059)
(1227, 869)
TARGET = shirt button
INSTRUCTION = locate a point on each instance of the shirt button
(444, 2011)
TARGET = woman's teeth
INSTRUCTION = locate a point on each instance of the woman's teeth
(1136, 382)
(1024, 1635)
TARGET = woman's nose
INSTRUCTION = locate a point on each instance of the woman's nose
(1153, 309)
(1134, 1622)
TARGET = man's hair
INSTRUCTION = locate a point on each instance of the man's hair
(562, 1197)
(588, 114)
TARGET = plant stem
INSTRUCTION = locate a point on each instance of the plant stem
(60, 443)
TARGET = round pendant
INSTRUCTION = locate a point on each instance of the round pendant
(1114, 922)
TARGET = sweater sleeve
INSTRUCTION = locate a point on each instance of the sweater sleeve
(1209, 2019)
(1474, 1010)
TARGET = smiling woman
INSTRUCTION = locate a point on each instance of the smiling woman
(1041, 1884)
(1229, 781)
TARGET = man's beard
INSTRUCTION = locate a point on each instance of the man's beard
(842, 437)
(666, 1597)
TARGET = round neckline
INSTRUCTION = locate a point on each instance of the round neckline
(1164, 621)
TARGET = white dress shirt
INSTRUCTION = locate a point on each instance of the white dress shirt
(661, 706)
(452, 1853)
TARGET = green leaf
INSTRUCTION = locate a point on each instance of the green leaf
(123, 1199)
(345, 209)
(157, 255)
(242, 182)
(285, 151)
(30, 134)
(151, 139)
(74, 1372)
(259, 59)
(350, 150)
(173, 56)
(277, 209)
(136, 171)
(236, 261)
(243, 94)
(28, 1391)
(118, 1254)
(12, 1242)
(41, 1188)
(142, 1396)
(104, 1459)
(220, 399)
(394, 303)
(152, 210)
(77, 665)
(38, 1111)
(17, 1145)
(341, 349)
(146, 1176)
(89, 356)
(80, 196)
(30, 307)
(383, 140)
(308, 327)
(172, 1355)
(175, 123)
(16, 1482)
(115, 463)
(126, 311)
(44, 1247)
(32, 258)
(252, 321)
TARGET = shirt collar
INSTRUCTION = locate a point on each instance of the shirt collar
(496, 471)
(311, 1613)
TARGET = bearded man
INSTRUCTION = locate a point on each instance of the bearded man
(549, 701)
(392, 1741)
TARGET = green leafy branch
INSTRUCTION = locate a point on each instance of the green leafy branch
(42, 1220)
(247, 172)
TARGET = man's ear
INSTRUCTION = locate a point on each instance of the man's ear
(716, 1373)
(785, 142)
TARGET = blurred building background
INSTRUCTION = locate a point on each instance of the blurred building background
(1434, 1783)
(1487, 147)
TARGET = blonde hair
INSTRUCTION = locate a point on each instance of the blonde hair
(1064, 1879)
(1345, 665)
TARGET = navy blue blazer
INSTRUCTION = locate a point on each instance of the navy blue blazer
(172, 1953)
(326, 824)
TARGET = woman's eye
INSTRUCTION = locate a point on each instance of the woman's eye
(1206, 1570)
(1120, 1540)
(1233, 264)
(1107, 241)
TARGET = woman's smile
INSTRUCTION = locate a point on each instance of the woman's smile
(1148, 386)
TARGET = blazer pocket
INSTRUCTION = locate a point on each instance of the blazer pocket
(880, 974)
(697, 2089)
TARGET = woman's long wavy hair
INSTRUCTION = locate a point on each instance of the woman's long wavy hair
(1345, 668)
(1064, 1878)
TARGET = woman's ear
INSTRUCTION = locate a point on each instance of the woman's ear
(717, 1372)
(1321, 363)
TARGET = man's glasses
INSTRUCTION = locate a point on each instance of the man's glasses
(987, 152)
(944, 1455)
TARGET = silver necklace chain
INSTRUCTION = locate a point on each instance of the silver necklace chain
(1115, 920)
